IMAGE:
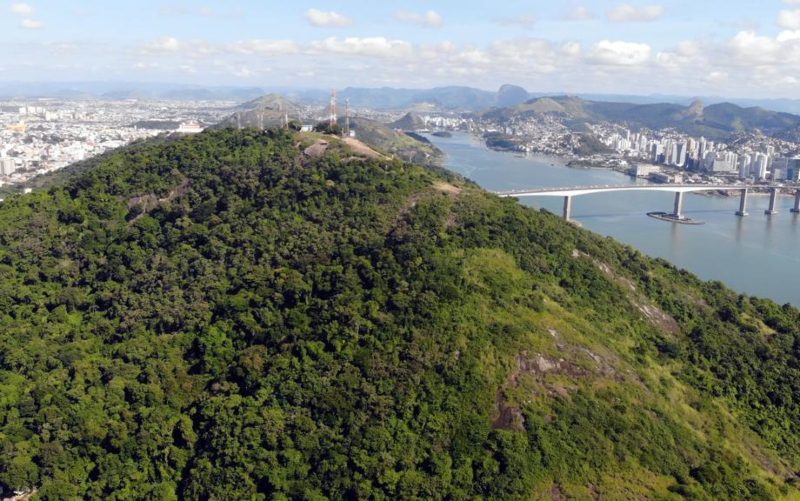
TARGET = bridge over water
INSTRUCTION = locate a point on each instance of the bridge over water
(679, 189)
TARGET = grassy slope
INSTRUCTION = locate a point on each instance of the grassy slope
(386, 140)
(354, 328)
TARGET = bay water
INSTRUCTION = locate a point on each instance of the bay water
(757, 255)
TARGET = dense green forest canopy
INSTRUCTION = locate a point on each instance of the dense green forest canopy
(224, 317)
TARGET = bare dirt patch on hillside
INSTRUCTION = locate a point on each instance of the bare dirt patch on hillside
(446, 188)
(316, 150)
(361, 148)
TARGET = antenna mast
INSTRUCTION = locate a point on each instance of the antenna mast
(333, 108)
(347, 117)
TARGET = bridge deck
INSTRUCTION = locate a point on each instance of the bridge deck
(586, 190)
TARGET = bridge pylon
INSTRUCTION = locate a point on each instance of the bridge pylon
(743, 204)
(678, 212)
(773, 202)
(796, 208)
(567, 208)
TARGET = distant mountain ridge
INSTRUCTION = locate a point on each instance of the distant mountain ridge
(463, 97)
(454, 98)
(510, 95)
(263, 112)
(273, 101)
(410, 121)
(715, 121)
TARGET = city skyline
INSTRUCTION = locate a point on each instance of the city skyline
(732, 49)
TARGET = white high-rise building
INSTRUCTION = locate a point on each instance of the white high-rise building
(656, 150)
(7, 166)
(691, 148)
(723, 161)
(760, 165)
(681, 154)
(708, 160)
(744, 166)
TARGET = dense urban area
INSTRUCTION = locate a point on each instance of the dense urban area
(43, 135)
(665, 155)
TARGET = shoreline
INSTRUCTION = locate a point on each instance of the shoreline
(575, 163)
(728, 241)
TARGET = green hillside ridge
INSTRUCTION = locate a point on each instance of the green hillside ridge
(385, 139)
(224, 316)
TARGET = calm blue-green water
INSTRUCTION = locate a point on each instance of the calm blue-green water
(758, 255)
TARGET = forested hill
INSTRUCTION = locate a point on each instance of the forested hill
(242, 315)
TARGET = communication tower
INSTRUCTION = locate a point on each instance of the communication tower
(333, 108)
(347, 117)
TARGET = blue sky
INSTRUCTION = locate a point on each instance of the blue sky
(733, 48)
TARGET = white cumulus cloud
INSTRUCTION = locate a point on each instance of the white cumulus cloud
(626, 13)
(22, 9)
(430, 19)
(747, 49)
(526, 22)
(328, 19)
(579, 13)
(369, 46)
(243, 72)
(789, 19)
(31, 24)
(162, 45)
(265, 47)
(617, 53)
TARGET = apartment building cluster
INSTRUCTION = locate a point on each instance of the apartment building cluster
(756, 160)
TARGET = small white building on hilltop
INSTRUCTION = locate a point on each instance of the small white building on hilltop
(190, 127)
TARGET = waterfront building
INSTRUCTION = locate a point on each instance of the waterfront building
(760, 165)
(793, 170)
(656, 152)
(745, 162)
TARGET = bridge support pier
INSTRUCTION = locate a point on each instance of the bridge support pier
(567, 207)
(796, 208)
(773, 200)
(743, 204)
(678, 212)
